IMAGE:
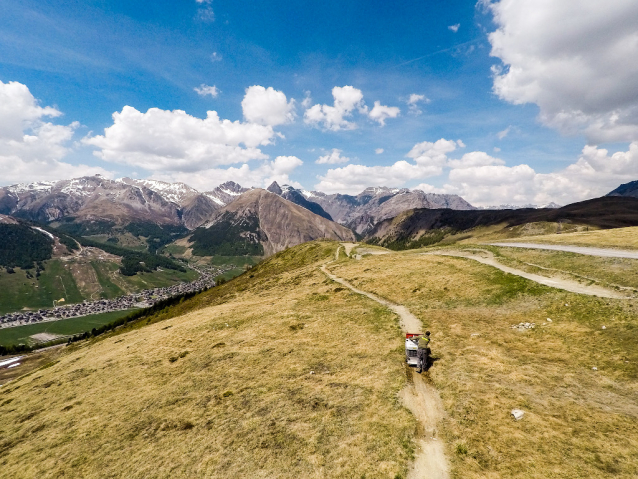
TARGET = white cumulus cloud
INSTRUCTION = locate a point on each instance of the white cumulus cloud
(434, 153)
(378, 151)
(176, 141)
(260, 176)
(267, 106)
(332, 158)
(429, 159)
(574, 59)
(32, 149)
(474, 158)
(204, 90)
(347, 99)
(484, 180)
(454, 28)
(353, 179)
(380, 113)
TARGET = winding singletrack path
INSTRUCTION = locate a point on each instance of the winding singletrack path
(587, 250)
(420, 397)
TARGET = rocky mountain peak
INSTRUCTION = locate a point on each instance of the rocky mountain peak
(231, 187)
(275, 188)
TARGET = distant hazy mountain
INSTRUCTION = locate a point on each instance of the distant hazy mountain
(260, 222)
(363, 211)
(550, 205)
(85, 199)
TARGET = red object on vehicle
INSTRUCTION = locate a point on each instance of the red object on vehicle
(411, 335)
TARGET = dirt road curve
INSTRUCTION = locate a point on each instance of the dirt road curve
(486, 257)
(604, 252)
(419, 397)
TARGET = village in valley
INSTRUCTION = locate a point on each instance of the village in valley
(143, 299)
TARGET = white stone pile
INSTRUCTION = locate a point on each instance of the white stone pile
(523, 326)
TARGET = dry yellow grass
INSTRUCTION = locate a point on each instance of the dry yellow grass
(221, 386)
(280, 375)
(579, 423)
(623, 238)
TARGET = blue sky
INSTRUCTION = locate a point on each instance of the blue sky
(91, 59)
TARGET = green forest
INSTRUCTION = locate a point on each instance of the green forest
(22, 246)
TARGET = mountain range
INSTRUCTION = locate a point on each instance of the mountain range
(231, 220)
(119, 201)
(122, 201)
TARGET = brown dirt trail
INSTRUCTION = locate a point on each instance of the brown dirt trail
(420, 397)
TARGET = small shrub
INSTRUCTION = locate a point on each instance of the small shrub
(227, 394)
(461, 449)
(186, 425)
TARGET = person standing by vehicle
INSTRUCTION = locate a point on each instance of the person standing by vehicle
(423, 352)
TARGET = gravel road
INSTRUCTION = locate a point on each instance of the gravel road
(604, 252)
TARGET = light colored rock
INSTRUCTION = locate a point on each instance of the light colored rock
(518, 414)
(604, 327)
(549, 320)
(594, 368)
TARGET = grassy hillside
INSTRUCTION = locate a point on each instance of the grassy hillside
(424, 227)
(623, 238)
(278, 373)
(229, 236)
(578, 423)
(283, 373)
(138, 236)
(614, 273)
